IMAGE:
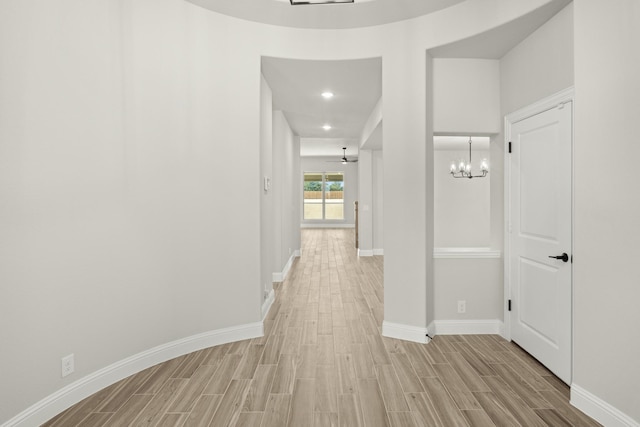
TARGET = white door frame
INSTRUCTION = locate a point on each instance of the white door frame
(554, 101)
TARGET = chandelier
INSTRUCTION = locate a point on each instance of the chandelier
(462, 169)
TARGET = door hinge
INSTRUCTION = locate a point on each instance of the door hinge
(509, 305)
(509, 146)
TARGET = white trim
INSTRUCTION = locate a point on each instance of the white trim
(73, 393)
(465, 253)
(297, 253)
(365, 252)
(466, 327)
(326, 225)
(552, 101)
(404, 332)
(599, 410)
(378, 252)
(280, 277)
(266, 305)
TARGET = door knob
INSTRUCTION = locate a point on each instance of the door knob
(564, 257)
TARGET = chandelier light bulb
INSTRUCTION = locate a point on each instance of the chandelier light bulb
(484, 165)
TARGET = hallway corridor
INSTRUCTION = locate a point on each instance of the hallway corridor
(323, 362)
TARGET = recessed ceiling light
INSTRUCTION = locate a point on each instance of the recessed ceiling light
(326, 127)
(327, 95)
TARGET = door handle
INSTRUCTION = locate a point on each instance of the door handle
(564, 257)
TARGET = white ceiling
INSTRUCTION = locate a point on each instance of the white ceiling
(357, 84)
(321, 147)
(297, 87)
(361, 13)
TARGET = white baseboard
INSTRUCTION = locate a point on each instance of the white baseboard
(280, 277)
(365, 252)
(323, 225)
(405, 332)
(266, 305)
(599, 410)
(378, 251)
(466, 327)
(68, 396)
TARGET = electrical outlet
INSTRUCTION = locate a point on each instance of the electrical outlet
(462, 306)
(68, 365)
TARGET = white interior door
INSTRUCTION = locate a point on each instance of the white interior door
(540, 228)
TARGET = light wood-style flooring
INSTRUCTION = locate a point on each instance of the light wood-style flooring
(323, 362)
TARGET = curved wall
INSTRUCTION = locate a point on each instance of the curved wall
(117, 120)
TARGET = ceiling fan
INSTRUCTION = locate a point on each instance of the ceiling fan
(344, 159)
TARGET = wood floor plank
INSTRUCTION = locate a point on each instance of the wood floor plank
(124, 391)
(496, 410)
(391, 389)
(308, 361)
(456, 387)
(203, 411)
(190, 364)
(531, 397)
(249, 419)
(552, 418)
(326, 387)
(372, 404)
(129, 410)
(341, 339)
(272, 348)
(292, 340)
(258, 394)
(378, 350)
(363, 361)
(284, 378)
(249, 362)
(172, 420)
(302, 403)
(188, 396)
(401, 419)
(349, 411)
(277, 410)
(230, 406)
(223, 375)
(326, 350)
(310, 332)
(516, 406)
(95, 419)
(406, 374)
(478, 418)
(469, 375)
(153, 412)
(325, 419)
(419, 360)
(346, 374)
(447, 410)
(424, 413)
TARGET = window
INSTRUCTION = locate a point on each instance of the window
(323, 195)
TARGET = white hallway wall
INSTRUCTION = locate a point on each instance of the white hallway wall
(607, 207)
(117, 123)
